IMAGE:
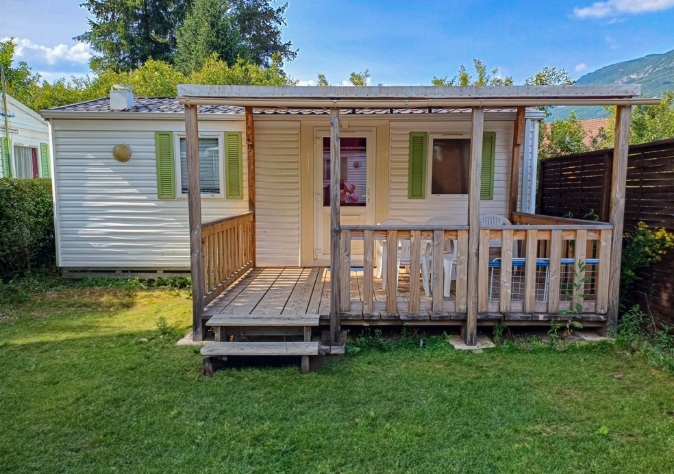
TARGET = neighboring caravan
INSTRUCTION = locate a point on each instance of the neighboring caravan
(131, 216)
(26, 154)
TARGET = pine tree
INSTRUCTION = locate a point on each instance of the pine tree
(124, 34)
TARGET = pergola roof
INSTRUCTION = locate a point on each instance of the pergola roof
(410, 96)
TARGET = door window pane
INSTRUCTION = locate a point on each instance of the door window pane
(449, 171)
(209, 165)
(353, 171)
(23, 157)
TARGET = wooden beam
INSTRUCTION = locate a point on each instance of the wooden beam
(194, 212)
(518, 139)
(250, 143)
(617, 210)
(335, 256)
(477, 130)
(605, 202)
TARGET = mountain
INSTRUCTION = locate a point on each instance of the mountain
(654, 72)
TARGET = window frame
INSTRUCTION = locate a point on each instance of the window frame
(221, 164)
(15, 162)
(429, 164)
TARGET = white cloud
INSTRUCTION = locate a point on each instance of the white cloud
(581, 67)
(306, 83)
(619, 7)
(79, 53)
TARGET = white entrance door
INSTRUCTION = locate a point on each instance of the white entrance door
(357, 150)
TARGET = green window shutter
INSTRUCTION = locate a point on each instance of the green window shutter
(4, 151)
(44, 160)
(166, 175)
(233, 165)
(416, 180)
(488, 164)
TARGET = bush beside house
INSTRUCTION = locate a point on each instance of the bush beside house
(27, 223)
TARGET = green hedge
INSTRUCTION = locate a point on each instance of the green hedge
(26, 225)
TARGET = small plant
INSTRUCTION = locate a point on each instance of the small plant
(499, 329)
(575, 289)
(405, 331)
(641, 334)
(591, 215)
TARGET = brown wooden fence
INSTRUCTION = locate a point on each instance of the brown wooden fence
(579, 186)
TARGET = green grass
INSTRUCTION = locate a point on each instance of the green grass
(90, 383)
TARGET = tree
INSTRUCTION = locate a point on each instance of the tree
(124, 34)
(20, 78)
(233, 29)
(649, 122)
(208, 28)
(550, 76)
(563, 137)
(322, 80)
(359, 78)
(483, 78)
(152, 79)
(260, 27)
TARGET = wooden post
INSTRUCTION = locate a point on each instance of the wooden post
(477, 130)
(194, 211)
(518, 139)
(335, 256)
(617, 211)
(250, 142)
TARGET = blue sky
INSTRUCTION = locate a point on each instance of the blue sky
(400, 42)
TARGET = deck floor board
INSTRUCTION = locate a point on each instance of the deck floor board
(292, 291)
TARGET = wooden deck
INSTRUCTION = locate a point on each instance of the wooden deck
(291, 291)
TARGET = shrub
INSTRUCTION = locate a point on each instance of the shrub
(643, 248)
(27, 223)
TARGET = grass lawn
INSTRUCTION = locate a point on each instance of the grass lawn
(90, 383)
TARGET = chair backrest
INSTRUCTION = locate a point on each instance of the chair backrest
(443, 220)
(393, 221)
(494, 220)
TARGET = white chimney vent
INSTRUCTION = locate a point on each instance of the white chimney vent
(121, 97)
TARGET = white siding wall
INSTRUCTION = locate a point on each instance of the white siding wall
(26, 128)
(277, 175)
(420, 210)
(107, 212)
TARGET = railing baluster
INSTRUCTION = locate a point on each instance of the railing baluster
(505, 290)
(530, 271)
(415, 264)
(580, 249)
(554, 271)
(438, 270)
(391, 271)
(483, 273)
(462, 272)
(345, 272)
(368, 271)
(603, 270)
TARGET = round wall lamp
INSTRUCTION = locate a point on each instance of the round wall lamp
(121, 152)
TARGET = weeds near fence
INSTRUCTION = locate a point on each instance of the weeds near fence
(641, 334)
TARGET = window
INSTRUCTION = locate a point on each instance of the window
(209, 165)
(353, 171)
(450, 164)
(26, 162)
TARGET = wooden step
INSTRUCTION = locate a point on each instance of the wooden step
(212, 349)
(264, 320)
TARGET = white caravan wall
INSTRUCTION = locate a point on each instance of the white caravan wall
(277, 192)
(107, 212)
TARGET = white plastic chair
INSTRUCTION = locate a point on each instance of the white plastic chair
(448, 260)
(492, 221)
(403, 251)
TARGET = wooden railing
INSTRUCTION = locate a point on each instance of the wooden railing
(531, 272)
(415, 234)
(227, 252)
